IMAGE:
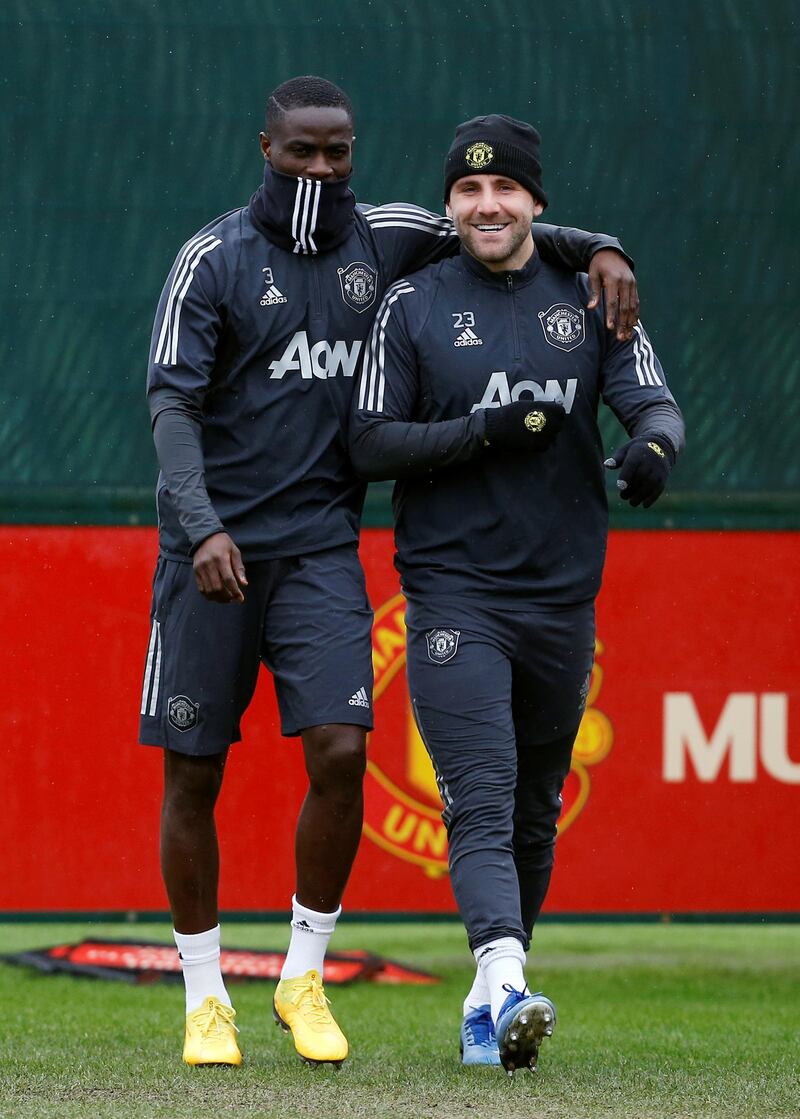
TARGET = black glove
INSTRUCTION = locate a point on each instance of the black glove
(525, 425)
(645, 464)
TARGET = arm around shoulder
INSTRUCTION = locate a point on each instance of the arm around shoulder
(573, 248)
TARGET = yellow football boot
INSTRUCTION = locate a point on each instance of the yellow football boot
(211, 1035)
(301, 1007)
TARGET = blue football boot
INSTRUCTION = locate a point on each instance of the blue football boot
(523, 1022)
(478, 1044)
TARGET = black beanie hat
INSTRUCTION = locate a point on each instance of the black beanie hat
(496, 145)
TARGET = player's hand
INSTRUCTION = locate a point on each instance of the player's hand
(219, 570)
(525, 425)
(610, 272)
(644, 465)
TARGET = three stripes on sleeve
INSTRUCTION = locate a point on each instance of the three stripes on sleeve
(166, 351)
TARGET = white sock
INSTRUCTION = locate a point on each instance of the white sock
(502, 962)
(478, 994)
(199, 953)
(311, 932)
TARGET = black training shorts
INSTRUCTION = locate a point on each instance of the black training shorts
(308, 619)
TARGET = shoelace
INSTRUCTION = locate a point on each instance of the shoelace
(315, 1000)
(210, 1023)
(480, 1031)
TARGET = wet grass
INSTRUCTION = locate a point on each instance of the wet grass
(654, 1021)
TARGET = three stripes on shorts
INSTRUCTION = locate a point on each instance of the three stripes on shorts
(152, 672)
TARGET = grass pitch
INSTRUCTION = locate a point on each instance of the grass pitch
(654, 1021)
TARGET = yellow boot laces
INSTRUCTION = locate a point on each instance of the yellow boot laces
(313, 1001)
(213, 1017)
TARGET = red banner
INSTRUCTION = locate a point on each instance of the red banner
(143, 961)
(681, 798)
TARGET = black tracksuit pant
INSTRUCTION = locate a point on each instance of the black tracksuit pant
(498, 694)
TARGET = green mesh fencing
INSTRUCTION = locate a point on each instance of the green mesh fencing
(127, 126)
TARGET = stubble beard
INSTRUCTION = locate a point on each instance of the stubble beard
(494, 253)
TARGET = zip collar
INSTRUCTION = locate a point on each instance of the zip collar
(516, 278)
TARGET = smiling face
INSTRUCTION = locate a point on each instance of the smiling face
(492, 216)
(314, 142)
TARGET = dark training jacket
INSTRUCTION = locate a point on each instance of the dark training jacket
(252, 367)
(455, 340)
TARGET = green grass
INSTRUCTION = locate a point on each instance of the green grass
(654, 1021)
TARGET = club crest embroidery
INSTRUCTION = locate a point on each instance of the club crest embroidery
(563, 326)
(182, 713)
(359, 285)
(442, 644)
(479, 155)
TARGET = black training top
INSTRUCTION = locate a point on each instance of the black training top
(454, 340)
(255, 349)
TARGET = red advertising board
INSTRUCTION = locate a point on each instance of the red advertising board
(681, 798)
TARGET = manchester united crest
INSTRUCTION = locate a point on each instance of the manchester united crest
(442, 644)
(563, 326)
(181, 712)
(359, 285)
(479, 155)
(535, 421)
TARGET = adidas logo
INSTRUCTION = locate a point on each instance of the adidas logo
(359, 699)
(468, 338)
(272, 296)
